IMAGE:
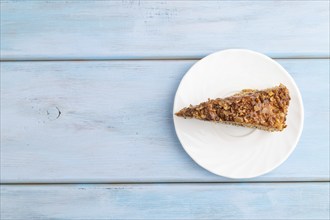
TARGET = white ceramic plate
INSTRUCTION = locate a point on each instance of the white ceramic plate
(231, 151)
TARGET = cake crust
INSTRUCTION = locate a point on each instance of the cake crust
(263, 109)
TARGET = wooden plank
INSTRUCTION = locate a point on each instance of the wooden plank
(116, 123)
(161, 29)
(170, 201)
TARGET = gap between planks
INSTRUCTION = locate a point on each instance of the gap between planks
(146, 59)
(162, 182)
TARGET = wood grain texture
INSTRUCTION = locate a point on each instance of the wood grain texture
(116, 123)
(169, 201)
(161, 29)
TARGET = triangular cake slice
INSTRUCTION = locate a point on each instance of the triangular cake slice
(264, 109)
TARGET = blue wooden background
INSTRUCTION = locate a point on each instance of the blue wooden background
(87, 90)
